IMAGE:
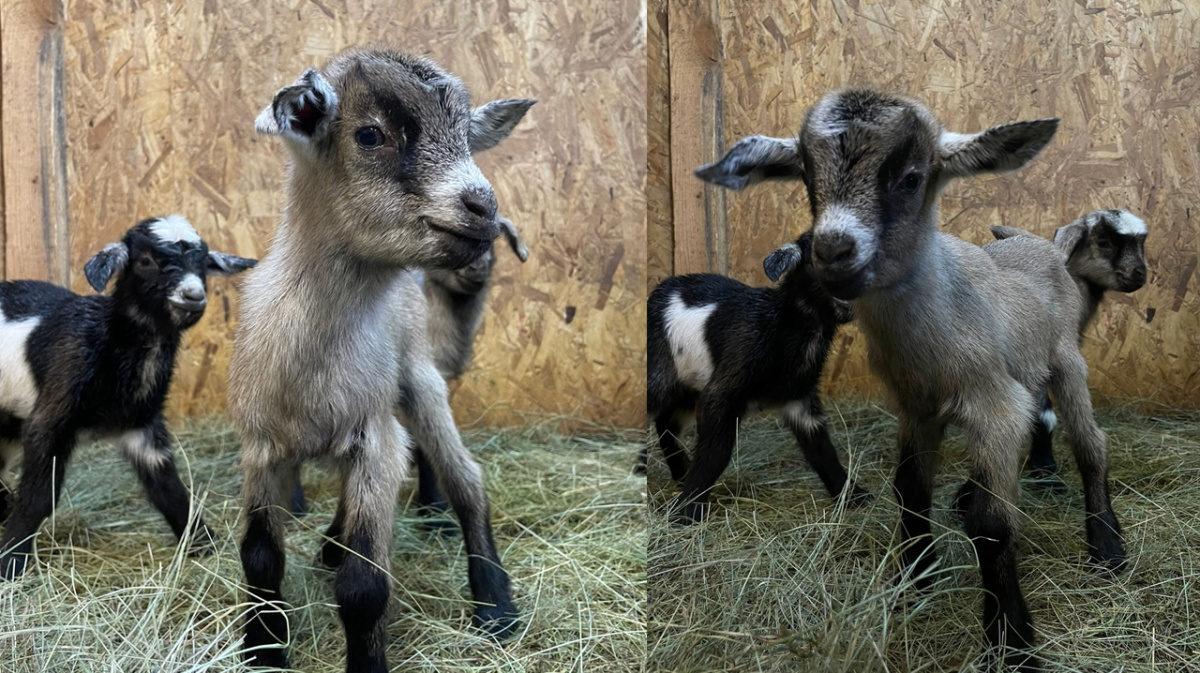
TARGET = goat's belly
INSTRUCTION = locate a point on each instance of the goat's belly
(18, 391)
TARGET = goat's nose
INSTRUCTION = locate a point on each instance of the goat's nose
(193, 293)
(834, 250)
(1139, 275)
(480, 203)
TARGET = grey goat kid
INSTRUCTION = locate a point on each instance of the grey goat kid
(457, 299)
(958, 333)
(77, 368)
(716, 347)
(332, 334)
(1104, 250)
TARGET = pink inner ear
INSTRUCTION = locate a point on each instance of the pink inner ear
(306, 117)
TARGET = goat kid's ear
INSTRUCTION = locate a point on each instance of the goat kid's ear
(1006, 147)
(1001, 232)
(754, 159)
(781, 261)
(100, 268)
(514, 238)
(222, 264)
(1069, 238)
(492, 122)
(302, 111)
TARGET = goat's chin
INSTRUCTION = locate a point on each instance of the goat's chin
(185, 319)
(455, 252)
(848, 287)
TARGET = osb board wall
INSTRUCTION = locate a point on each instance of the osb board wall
(1122, 76)
(160, 102)
(659, 233)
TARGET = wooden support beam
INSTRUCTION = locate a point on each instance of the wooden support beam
(697, 135)
(33, 139)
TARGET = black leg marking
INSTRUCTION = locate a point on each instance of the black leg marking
(668, 428)
(333, 551)
(363, 590)
(919, 443)
(263, 561)
(1042, 468)
(716, 428)
(155, 467)
(806, 420)
(47, 451)
(1007, 625)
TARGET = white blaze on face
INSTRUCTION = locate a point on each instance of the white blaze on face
(689, 349)
(174, 228)
(1130, 224)
(838, 219)
(18, 392)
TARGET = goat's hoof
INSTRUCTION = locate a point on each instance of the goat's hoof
(203, 543)
(268, 657)
(1109, 560)
(639, 470)
(498, 621)
(858, 496)
(12, 565)
(691, 513)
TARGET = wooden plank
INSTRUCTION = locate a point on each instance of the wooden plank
(697, 99)
(32, 126)
(660, 234)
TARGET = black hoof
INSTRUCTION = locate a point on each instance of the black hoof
(12, 565)
(858, 496)
(1108, 560)
(203, 542)
(690, 514)
(498, 621)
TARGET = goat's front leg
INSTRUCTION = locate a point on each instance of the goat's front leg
(806, 419)
(425, 408)
(373, 474)
(264, 501)
(995, 434)
(149, 451)
(920, 439)
(1068, 382)
(48, 447)
(717, 417)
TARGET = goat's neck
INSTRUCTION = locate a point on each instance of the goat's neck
(1092, 294)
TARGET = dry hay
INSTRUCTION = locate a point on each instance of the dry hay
(778, 579)
(109, 593)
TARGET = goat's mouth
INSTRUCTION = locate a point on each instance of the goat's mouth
(845, 286)
(486, 233)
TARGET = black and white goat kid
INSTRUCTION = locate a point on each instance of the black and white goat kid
(74, 368)
(716, 347)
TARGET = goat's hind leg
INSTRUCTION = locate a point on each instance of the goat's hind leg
(264, 500)
(1068, 383)
(668, 426)
(431, 502)
(426, 412)
(149, 451)
(48, 448)
(806, 419)
(716, 432)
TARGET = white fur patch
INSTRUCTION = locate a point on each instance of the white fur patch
(1130, 224)
(685, 332)
(138, 447)
(1048, 419)
(174, 228)
(840, 219)
(952, 142)
(799, 413)
(189, 282)
(18, 392)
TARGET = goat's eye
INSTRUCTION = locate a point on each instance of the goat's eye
(147, 262)
(368, 137)
(1104, 244)
(910, 183)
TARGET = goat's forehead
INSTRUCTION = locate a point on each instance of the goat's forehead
(847, 126)
(386, 79)
(1125, 223)
(168, 230)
